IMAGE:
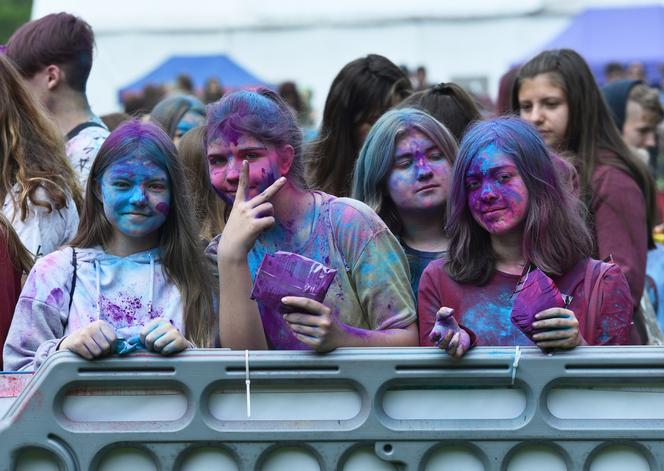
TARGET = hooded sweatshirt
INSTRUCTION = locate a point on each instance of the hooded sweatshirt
(127, 292)
(615, 95)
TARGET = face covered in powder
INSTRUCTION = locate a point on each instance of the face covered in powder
(497, 195)
(190, 120)
(420, 175)
(136, 194)
(225, 158)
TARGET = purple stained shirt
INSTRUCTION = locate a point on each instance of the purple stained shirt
(486, 309)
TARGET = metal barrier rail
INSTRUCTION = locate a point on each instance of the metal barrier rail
(596, 409)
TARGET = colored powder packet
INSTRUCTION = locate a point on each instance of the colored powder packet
(289, 274)
(125, 346)
(534, 293)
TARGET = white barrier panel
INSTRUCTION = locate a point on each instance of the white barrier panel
(596, 409)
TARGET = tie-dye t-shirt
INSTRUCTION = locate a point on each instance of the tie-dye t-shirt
(82, 148)
(371, 289)
(485, 310)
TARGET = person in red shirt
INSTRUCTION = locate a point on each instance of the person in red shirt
(509, 213)
(14, 261)
(555, 91)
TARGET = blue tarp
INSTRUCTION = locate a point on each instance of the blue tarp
(624, 35)
(199, 68)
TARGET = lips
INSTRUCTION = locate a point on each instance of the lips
(426, 187)
(490, 211)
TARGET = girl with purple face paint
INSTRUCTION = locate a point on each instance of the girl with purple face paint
(509, 212)
(254, 156)
(403, 173)
(132, 276)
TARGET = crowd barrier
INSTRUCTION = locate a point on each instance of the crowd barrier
(596, 409)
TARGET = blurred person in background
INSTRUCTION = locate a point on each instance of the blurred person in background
(636, 111)
(208, 208)
(178, 114)
(556, 92)
(362, 91)
(54, 54)
(39, 190)
(450, 104)
(614, 71)
(212, 90)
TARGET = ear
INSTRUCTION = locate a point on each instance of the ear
(54, 76)
(286, 157)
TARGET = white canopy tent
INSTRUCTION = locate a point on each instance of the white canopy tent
(308, 41)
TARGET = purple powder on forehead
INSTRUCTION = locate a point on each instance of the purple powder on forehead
(535, 292)
(289, 274)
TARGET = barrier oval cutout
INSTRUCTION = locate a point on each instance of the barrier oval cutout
(285, 402)
(95, 404)
(607, 402)
(454, 403)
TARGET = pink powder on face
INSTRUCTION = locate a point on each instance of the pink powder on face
(163, 208)
(497, 195)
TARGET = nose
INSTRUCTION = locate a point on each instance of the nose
(650, 140)
(535, 116)
(488, 193)
(422, 169)
(233, 170)
(138, 196)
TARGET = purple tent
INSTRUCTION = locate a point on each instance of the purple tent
(624, 35)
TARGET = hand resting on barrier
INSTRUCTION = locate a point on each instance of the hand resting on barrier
(448, 335)
(98, 339)
(92, 341)
(163, 337)
(559, 329)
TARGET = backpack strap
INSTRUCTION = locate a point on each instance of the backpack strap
(595, 271)
(88, 124)
(73, 277)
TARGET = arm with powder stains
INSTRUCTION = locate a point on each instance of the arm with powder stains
(39, 322)
(381, 279)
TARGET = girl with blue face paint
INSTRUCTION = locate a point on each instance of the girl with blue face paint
(133, 276)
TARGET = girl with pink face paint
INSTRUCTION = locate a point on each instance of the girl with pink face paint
(254, 157)
(132, 277)
(508, 214)
(403, 173)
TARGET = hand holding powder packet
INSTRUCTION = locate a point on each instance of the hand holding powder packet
(534, 293)
(289, 274)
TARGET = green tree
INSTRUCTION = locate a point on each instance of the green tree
(13, 13)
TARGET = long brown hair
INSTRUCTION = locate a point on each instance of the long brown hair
(555, 235)
(181, 253)
(208, 207)
(591, 130)
(32, 152)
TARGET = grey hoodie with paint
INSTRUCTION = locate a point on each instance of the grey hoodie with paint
(127, 292)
